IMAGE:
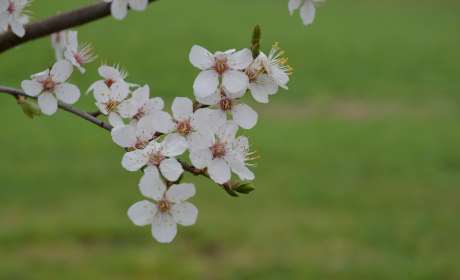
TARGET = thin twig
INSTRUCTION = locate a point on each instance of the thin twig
(17, 92)
(57, 23)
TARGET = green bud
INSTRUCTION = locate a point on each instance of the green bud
(29, 108)
(227, 187)
(257, 33)
(243, 186)
(255, 50)
(256, 40)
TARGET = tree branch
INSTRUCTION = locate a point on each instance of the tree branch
(57, 23)
(17, 92)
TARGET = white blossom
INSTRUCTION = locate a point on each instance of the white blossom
(13, 14)
(219, 154)
(111, 75)
(221, 64)
(145, 105)
(138, 137)
(59, 42)
(113, 100)
(223, 102)
(158, 155)
(307, 11)
(241, 147)
(119, 8)
(78, 54)
(49, 82)
(170, 207)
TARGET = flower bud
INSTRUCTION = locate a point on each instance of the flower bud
(255, 42)
(243, 186)
(227, 187)
(29, 108)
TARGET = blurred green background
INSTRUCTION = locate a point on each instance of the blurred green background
(360, 160)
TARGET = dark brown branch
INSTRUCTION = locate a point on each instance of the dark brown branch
(192, 169)
(57, 23)
(17, 92)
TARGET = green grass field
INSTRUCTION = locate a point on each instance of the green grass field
(359, 172)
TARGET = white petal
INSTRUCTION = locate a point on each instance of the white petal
(244, 116)
(240, 59)
(307, 12)
(61, 71)
(48, 103)
(127, 108)
(206, 83)
(119, 91)
(4, 18)
(41, 76)
(280, 77)
(101, 93)
(184, 213)
(138, 5)
(182, 108)
(235, 81)
(141, 95)
(67, 93)
(227, 131)
(72, 38)
(164, 228)
(133, 161)
(109, 73)
(171, 169)
(4, 5)
(115, 119)
(94, 85)
(151, 186)
(235, 95)
(181, 192)
(163, 122)
(246, 174)
(211, 99)
(119, 8)
(219, 171)
(201, 157)
(124, 135)
(17, 27)
(32, 87)
(153, 105)
(294, 5)
(202, 137)
(201, 58)
(142, 212)
(173, 145)
(145, 128)
(202, 117)
(258, 92)
(235, 160)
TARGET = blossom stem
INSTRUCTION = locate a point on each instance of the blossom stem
(57, 23)
(87, 116)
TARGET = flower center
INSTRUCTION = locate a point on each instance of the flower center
(252, 76)
(78, 59)
(226, 104)
(184, 127)
(11, 8)
(141, 143)
(218, 150)
(156, 158)
(140, 114)
(164, 205)
(48, 85)
(112, 106)
(221, 66)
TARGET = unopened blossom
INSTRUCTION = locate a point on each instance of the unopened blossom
(158, 155)
(78, 54)
(111, 75)
(132, 138)
(169, 209)
(241, 147)
(221, 64)
(14, 15)
(119, 8)
(113, 100)
(49, 82)
(195, 126)
(59, 42)
(219, 154)
(307, 11)
(267, 73)
(145, 105)
(223, 102)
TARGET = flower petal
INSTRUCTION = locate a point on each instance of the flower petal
(124, 135)
(67, 93)
(244, 116)
(184, 213)
(32, 87)
(138, 5)
(294, 5)
(181, 192)
(258, 92)
(133, 161)
(115, 119)
(151, 186)
(101, 93)
(142, 213)
(119, 91)
(48, 103)
(171, 169)
(219, 171)
(72, 38)
(182, 108)
(141, 95)
(145, 128)
(127, 108)
(109, 73)
(163, 122)
(206, 83)
(201, 58)
(246, 174)
(119, 9)
(16, 26)
(201, 157)
(235, 81)
(164, 228)
(240, 59)
(307, 12)
(41, 76)
(212, 99)
(173, 145)
(61, 71)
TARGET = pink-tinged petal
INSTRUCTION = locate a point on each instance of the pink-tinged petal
(240, 59)
(294, 5)
(142, 213)
(163, 122)
(211, 99)
(32, 87)
(133, 161)
(119, 9)
(72, 38)
(151, 186)
(259, 93)
(101, 93)
(124, 135)
(307, 12)
(108, 72)
(164, 228)
(41, 76)
(127, 108)
(145, 128)
(206, 83)
(171, 169)
(138, 5)
(235, 81)
(141, 95)
(48, 104)
(67, 93)
(184, 213)
(182, 108)
(173, 145)
(201, 58)
(17, 27)
(181, 192)
(219, 171)
(119, 91)
(246, 174)
(244, 116)
(61, 71)
(153, 105)
(201, 157)
(115, 119)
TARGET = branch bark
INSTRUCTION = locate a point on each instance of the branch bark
(57, 23)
